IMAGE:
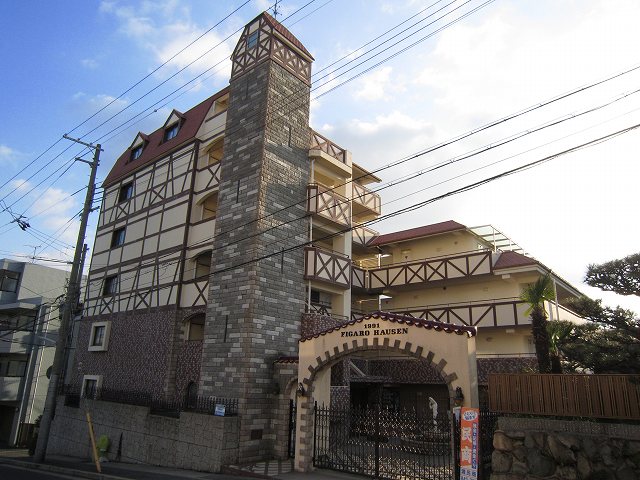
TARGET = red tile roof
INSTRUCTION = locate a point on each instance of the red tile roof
(155, 148)
(513, 259)
(412, 233)
(284, 32)
(402, 319)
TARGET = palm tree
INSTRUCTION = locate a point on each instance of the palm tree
(559, 331)
(535, 295)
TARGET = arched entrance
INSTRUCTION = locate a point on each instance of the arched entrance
(449, 349)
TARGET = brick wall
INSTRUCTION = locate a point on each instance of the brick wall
(254, 309)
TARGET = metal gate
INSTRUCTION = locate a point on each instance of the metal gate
(384, 443)
(292, 429)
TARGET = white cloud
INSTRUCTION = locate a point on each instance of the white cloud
(8, 155)
(89, 63)
(165, 28)
(375, 85)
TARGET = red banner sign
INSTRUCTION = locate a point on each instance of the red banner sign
(469, 436)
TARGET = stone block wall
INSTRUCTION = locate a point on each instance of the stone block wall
(528, 448)
(192, 442)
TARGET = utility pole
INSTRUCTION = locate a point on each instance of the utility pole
(71, 300)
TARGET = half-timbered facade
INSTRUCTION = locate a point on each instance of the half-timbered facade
(235, 230)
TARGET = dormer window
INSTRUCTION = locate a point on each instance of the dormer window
(136, 153)
(171, 131)
(252, 40)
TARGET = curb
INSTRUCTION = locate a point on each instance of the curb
(57, 469)
(244, 473)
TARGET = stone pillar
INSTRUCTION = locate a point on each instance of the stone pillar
(257, 289)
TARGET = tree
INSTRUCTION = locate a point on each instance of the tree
(559, 331)
(610, 341)
(535, 295)
(619, 276)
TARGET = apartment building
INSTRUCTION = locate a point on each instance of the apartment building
(29, 300)
(234, 231)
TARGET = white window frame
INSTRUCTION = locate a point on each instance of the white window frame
(105, 342)
(98, 380)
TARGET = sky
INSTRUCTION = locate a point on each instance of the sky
(102, 71)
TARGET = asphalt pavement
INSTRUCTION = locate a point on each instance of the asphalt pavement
(16, 464)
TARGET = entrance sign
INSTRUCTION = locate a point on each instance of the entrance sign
(219, 410)
(469, 426)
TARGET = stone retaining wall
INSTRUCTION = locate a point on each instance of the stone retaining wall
(528, 448)
(193, 442)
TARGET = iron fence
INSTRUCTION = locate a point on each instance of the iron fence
(157, 405)
(385, 444)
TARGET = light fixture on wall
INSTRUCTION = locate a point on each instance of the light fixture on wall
(300, 391)
(459, 397)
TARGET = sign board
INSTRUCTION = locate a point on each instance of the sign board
(469, 437)
(219, 411)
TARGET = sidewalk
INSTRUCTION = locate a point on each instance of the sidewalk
(84, 468)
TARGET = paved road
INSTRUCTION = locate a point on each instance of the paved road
(9, 472)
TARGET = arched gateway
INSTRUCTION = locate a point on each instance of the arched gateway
(450, 349)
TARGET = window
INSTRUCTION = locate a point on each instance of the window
(216, 151)
(210, 207)
(9, 281)
(171, 131)
(136, 152)
(126, 192)
(13, 365)
(90, 386)
(110, 285)
(117, 238)
(203, 265)
(196, 328)
(252, 40)
(17, 320)
(99, 337)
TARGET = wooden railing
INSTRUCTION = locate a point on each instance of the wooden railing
(318, 142)
(358, 277)
(363, 235)
(591, 396)
(328, 204)
(368, 199)
(432, 270)
(476, 314)
(326, 266)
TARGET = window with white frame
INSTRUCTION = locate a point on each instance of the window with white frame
(90, 386)
(99, 337)
(252, 40)
(136, 153)
(171, 131)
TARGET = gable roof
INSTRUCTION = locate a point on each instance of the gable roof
(156, 148)
(282, 30)
(413, 233)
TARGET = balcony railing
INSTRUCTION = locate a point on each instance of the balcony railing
(326, 266)
(431, 270)
(498, 313)
(363, 235)
(318, 142)
(358, 277)
(363, 197)
(328, 204)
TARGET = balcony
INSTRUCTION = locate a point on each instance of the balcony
(328, 205)
(363, 235)
(9, 389)
(491, 313)
(326, 266)
(365, 202)
(432, 270)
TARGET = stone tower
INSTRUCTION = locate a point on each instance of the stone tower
(255, 304)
